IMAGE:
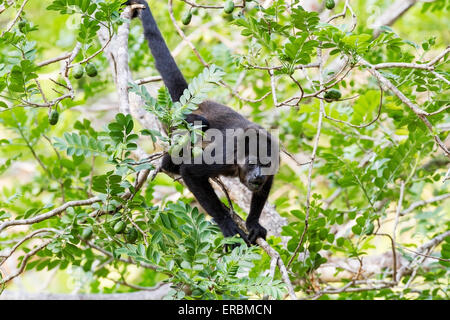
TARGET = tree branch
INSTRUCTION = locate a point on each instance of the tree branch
(424, 202)
(392, 14)
(49, 214)
(157, 294)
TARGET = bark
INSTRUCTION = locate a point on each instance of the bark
(156, 294)
(392, 14)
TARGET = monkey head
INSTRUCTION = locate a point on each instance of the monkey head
(260, 161)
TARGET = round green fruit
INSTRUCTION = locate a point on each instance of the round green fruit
(22, 24)
(332, 94)
(329, 4)
(186, 19)
(131, 235)
(86, 234)
(78, 71)
(369, 229)
(53, 117)
(229, 7)
(115, 218)
(119, 227)
(91, 70)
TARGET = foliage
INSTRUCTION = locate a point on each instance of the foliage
(172, 114)
(189, 250)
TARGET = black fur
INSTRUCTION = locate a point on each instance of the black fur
(211, 115)
(172, 76)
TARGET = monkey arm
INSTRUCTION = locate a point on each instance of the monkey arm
(259, 198)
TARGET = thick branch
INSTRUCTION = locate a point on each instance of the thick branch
(157, 294)
(49, 214)
(424, 202)
(392, 14)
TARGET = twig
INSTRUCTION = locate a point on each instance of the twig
(203, 62)
(297, 67)
(148, 80)
(423, 248)
(25, 260)
(339, 15)
(425, 255)
(322, 89)
(109, 254)
(311, 164)
(362, 125)
(399, 208)
(439, 111)
(430, 66)
(332, 198)
(181, 33)
(20, 242)
(424, 202)
(15, 18)
(272, 84)
(53, 60)
(420, 261)
(419, 112)
(344, 13)
(293, 158)
(196, 5)
(347, 288)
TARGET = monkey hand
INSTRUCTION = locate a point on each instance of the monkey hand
(255, 231)
(136, 11)
(229, 228)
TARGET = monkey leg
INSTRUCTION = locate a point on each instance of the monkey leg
(205, 195)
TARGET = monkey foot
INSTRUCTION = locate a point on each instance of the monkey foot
(229, 228)
(255, 231)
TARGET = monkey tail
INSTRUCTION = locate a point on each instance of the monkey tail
(165, 64)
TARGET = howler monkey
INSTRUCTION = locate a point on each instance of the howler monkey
(250, 166)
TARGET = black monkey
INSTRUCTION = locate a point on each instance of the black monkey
(216, 116)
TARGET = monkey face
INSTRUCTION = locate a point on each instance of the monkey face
(251, 175)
